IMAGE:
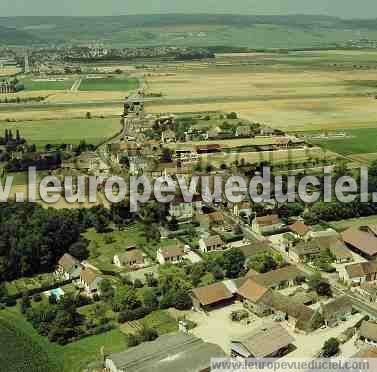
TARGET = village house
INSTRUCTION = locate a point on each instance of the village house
(264, 301)
(267, 224)
(184, 211)
(251, 295)
(362, 240)
(368, 333)
(168, 136)
(173, 352)
(211, 297)
(170, 255)
(299, 316)
(336, 310)
(132, 259)
(243, 209)
(216, 218)
(339, 251)
(68, 267)
(359, 273)
(299, 230)
(89, 281)
(137, 165)
(208, 148)
(368, 291)
(243, 131)
(186, 156)
(212, 243)
(270, 340)
(288, 276)
(214, 133)
(311, 249)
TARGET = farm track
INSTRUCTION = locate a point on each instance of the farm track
(76, 85)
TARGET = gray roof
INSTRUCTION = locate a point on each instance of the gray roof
(266, 339)
(169, 353)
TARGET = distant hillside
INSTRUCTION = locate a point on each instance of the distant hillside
(13, 36)
(293, 31)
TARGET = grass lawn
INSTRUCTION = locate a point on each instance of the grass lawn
(109, 83)
(70, 131)
(160, 320)
(353, 222)
(358, 141)
(42, 84)
(24, 284)
(103, 247)
(23, 350)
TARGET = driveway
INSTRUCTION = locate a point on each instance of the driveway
(217, 328)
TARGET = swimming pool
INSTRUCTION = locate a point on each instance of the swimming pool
(57, 292)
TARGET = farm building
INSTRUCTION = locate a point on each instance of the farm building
(336, 310)
(363, 240)
(368, 333)
(359, 273)
(211, 296)
(287, 276)
(267, 341)
(299, 230)
(169, 353)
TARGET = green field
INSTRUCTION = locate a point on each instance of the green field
(23, 350)
(358, 141)
(72, 131)
(109, 84)
(353, 222)
(36, 84)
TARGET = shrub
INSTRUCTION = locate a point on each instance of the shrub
(37, 297)
(133, 340)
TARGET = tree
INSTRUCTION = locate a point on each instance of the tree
(151, 280)
(88, 115)
(167, 155)
(106, 290)
(127, 297)
(263, 263)
(173, 224)
(79, 250)
(330, 348)
(232, 116)
(233, 262)
(133, 340)
(148, 334)
(25, 303)
(150, 298)
(182, 300)
(320, 285)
